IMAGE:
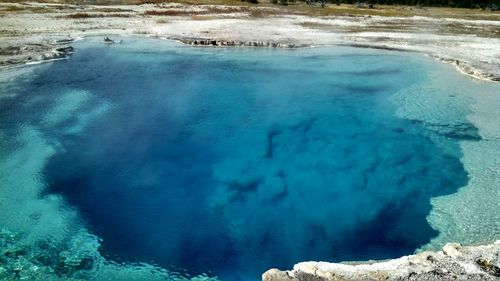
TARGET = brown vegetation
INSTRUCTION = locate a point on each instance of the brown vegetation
(89, 15)
(266, 8)
(209, 10)
(171, 13)
(199, 14)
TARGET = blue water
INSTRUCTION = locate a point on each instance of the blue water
(233, 161)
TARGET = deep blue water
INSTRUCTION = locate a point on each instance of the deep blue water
(234, 161)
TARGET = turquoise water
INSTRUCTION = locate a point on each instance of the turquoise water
(233, 161)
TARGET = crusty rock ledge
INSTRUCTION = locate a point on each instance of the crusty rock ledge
(454, 262)
(467, 69)
(43, 50)
(218, 42)
(50, 49)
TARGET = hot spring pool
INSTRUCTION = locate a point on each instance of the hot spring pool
(231, 161)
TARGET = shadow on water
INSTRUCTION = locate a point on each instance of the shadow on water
(203, 164)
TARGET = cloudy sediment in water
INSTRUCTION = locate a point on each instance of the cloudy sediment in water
(232, 161)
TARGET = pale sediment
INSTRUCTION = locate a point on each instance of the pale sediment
(453, 262)
(471, 214)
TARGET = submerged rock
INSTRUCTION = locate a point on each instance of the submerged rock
(454, 262)
(108, 41)
(75, 259)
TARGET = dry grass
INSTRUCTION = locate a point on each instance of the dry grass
(452, 28)
(171, 13)
(223, 10)
(257, 13)
(261, 9)
(216, 10)
(196, 2)
(135, 2)
(112, 10)
(203, 17)
(13, 9)
(209, 10)
(310, 24)
(90, 15)
(344, 9)
(25, 9)
(393, 11)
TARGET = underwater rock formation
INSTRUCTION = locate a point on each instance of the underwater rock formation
(454, 262)
(22, 258)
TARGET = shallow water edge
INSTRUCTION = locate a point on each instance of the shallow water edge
(56, 49)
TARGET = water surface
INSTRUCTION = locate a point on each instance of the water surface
(233, 161)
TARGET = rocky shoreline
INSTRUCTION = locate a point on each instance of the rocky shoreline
(35, 52)
(29, 36)
(232, 43)
(48, 50)
(466, 69)
(453, 262)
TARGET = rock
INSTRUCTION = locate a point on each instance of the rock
(452, 250)
(276, 275)
(214, 42)
(17, 250)
(63, 41)
(454, 262)
(65, 49)
(108, 40)
(11, 50)
(488, 267)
